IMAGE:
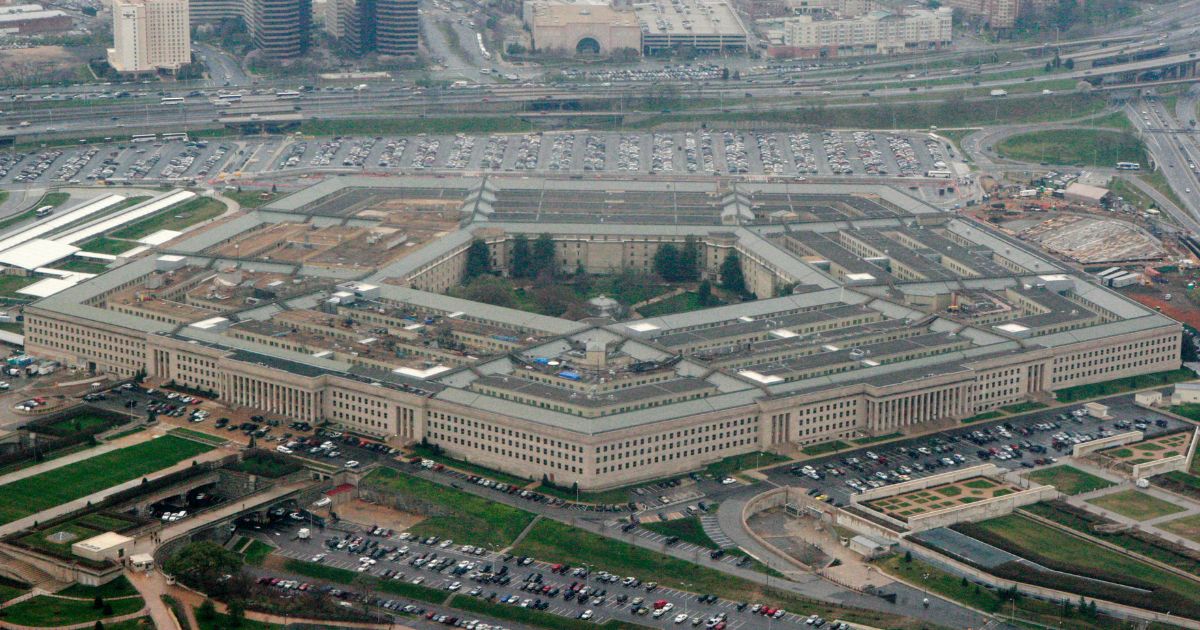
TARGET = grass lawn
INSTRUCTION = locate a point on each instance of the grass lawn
(1130, 194)
(687, 529)
(188, 213)
(265, 465)
(738, 463)
(81, 422)
(132, 624)
(31, 495)
(1081, 147)
(55, 199)
(1021, 533)
(468, 467)
(48, 611)
(1188, 527)
(1023, 407)
(824, 447)
(988, 600)
(119, 587)
(257, 552)
(1116, 386)
(682, 303)
(556, 542)
(987, 415)
(221, 622)
(251, 198)
(10, 284)
(82, 265)
(11, 588)
(457, 515)
(876, 438)
(1068, 479)
(1136, 505)
(344, 576)
(201, 436)
(106, 245)
(1115, 120)
(1159, 182)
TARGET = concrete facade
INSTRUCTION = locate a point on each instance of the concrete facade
(575, 29)
(150, 35)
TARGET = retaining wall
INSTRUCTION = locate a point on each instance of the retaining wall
(982, 470)
(980, 510)
(1121, 439)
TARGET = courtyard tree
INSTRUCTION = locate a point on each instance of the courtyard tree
(203, 565)
(543, 256)
(732, 279)
(519, 259)
(479, 260)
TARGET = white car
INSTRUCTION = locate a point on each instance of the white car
(352, 464)
(728, 481)
(681, 617)
(587, 614)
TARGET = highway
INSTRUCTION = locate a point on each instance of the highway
(1176, 154)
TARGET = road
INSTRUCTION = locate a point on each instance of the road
(1176, 154)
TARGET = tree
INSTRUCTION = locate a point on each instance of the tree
(1069, 64)
(705, 294)
(1187, 345)
(907, 556)
(519, 258)
(689, 260)
(732, 279)
(97, 602)
(666, 262)
(203, 565)
(725, 74)
(489, 290)
(236, 611)
(479, 260)
(99, 625)
(543, 256)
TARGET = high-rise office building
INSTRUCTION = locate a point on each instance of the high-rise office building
(385, 26)
(150, 35)
(396, 27)
(280, 28)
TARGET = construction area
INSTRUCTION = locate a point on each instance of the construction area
(336, 246)
(1090, 240)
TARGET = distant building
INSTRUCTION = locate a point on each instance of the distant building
(389, 27)
(700, 25)
(202, 12)
(997, 13)
(29, 19)
(280, 28)
(877, 33)
(588, 29)
(150, 35)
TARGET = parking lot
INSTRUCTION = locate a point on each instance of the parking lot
(1025, 441)
(132, 162)
(457, 567)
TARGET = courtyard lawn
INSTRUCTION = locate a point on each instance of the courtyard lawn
(454, 514)
(682, 303)
(74, 424)
(1187, 527)
(222, 622)
(1020, 534)
(106, 245)
(1116, 386)
(824, 448)
(1023, 407)
(188, 213)
(1136, 505)
(53, 612)
(557, 542)
(10, 589)
(1068, 479)
(31, 495)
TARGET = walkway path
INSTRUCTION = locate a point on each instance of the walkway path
(153, 586)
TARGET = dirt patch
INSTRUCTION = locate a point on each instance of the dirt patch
(41, 63)
(1177, 309)
(364, 513)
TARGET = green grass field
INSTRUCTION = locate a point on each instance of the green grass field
(188, 213)
(119, 587)
(106, 245)
(737, 463)
(1116, 386)
(824, 448)
(257, 553)
(81, 265)
(458, 515)
(687, 529)
(199, 436)
(1187, 527)
(1023, 407)
(987, 415)
(682, 303)
(1068, 479)
(1080, 147)
(31, 495)
(10, 589)
(1136, 505)
(251, 198)
(1021, 533)
(222, 622)
(51, 612)
(556, 542)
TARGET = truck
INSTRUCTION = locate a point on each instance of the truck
(998, 93)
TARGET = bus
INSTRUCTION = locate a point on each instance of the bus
(143, 137)
(230, 98)
(287, 95)
(44, 211)
(168, 137)
(171, 100)
(1128, 166)
(939, 174)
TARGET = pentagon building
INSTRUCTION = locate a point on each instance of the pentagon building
(876, 312)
